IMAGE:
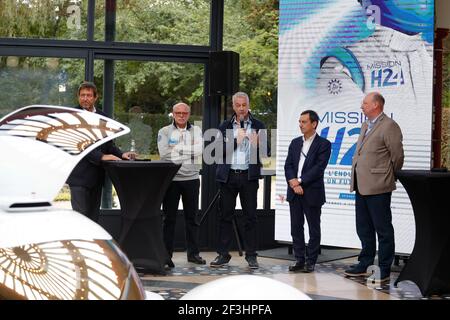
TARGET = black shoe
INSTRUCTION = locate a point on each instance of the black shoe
(309, 267)
(356, 271)
(298, 266)
(220, 260)
(170, 264)
(383, 276)
(252, 262)
(195, 258)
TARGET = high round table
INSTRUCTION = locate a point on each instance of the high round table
(429, 264)
(141, 186)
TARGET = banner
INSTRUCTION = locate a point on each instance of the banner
(331, 54)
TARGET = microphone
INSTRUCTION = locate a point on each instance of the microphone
(244, 141)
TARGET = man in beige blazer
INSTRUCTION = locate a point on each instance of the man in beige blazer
(378, 154)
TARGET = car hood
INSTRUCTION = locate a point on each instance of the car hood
(60, 254)
(40, 147)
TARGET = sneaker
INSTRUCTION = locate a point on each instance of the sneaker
(252, 262)
(195, 258)
(356, 271)
(220, 261)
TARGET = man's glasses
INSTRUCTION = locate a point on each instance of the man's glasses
(181, 113)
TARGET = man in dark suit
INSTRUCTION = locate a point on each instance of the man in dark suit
(86, 179)
(304, 168)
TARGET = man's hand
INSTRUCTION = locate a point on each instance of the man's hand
(130, 155)
(109, 157)
(298, 190)
(293, 183)
(254, 139)
(241, 135)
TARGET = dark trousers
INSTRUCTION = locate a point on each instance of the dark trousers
(238, 183)
(374, 217)
(188, 190)
(86, 200)
(299, 210)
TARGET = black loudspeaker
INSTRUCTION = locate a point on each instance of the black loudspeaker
(224, 73)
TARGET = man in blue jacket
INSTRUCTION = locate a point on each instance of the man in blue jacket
(304, 168)
(239, 173)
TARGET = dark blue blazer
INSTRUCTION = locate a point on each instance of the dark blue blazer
(312, 172)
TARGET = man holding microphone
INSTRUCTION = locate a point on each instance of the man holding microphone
(239, 173)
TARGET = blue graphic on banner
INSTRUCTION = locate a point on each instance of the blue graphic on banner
(348, 59)
(293, 12)
(406, 16)
(401, 15)
(386, 78)
(337, 144)
(347, 196)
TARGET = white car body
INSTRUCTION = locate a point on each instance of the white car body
(48, 253)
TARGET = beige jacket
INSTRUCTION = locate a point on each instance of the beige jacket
(377, 157)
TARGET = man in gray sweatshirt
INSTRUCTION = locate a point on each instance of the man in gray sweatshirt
(181, 142)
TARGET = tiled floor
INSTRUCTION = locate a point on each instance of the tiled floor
(327, 282)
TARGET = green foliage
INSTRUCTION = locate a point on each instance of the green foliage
(251, 29)
(446, 74)
(155, 87)
(269, 119)
(167, 21)
(446, 98)
(39, 19)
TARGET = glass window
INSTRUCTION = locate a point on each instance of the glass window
(251, 29)
(158, 21)
(44, 19)
(38, 80)
(144, 94)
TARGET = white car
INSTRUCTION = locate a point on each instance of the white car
(48, 253)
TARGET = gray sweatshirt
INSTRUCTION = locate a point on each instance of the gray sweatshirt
(182, 146)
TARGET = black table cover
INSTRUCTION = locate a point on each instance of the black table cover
(141, 186)
(429, 264)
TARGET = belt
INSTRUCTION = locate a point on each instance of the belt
(238, 171)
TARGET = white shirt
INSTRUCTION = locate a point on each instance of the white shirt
(303, 154)
(241, 155)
